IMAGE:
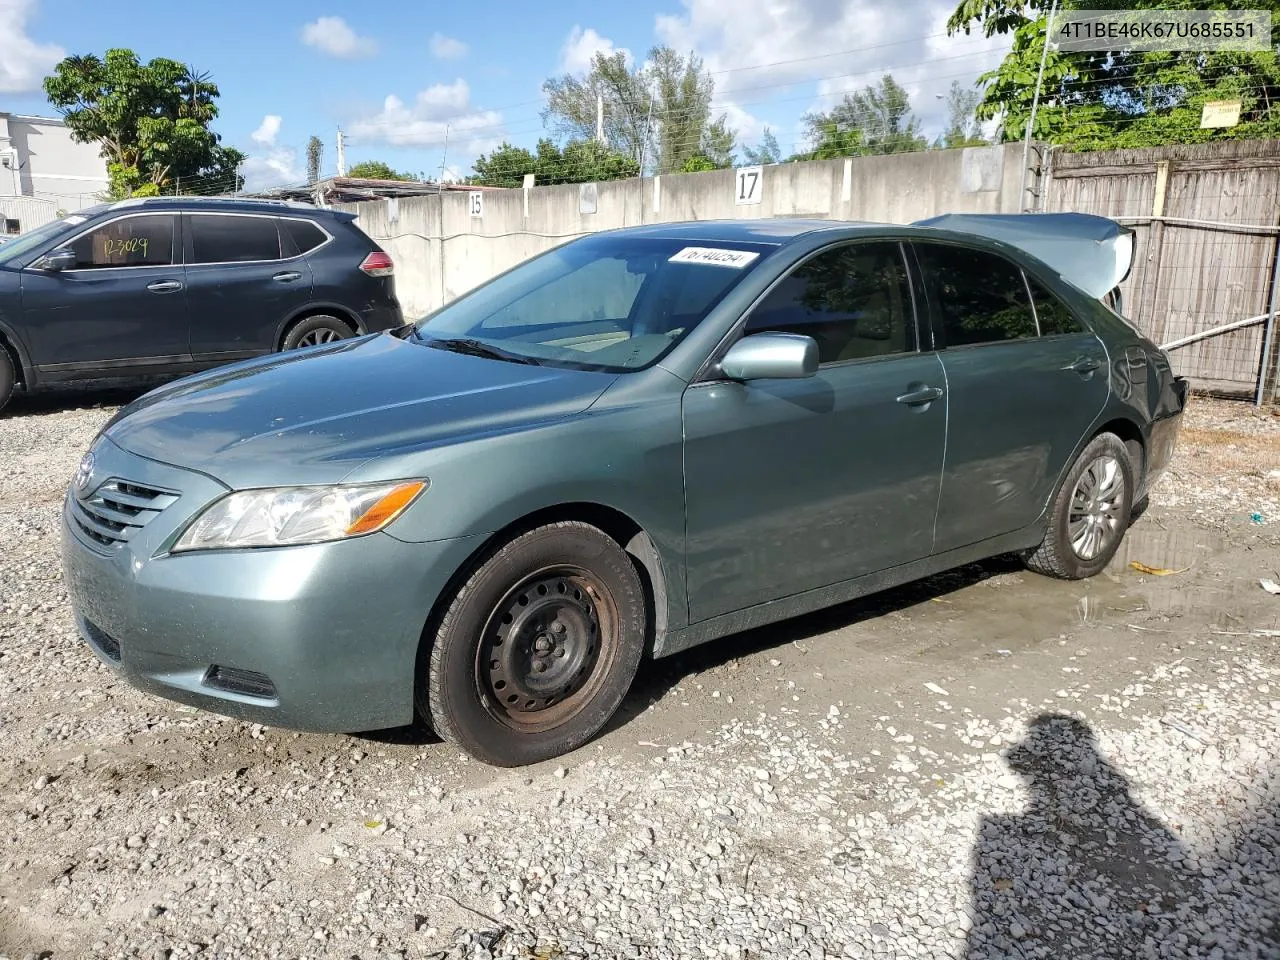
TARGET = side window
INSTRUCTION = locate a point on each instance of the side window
(224, 239)
(1055, 316)
(981, 297)
(128, 242)
(854, 301)
(306, 235)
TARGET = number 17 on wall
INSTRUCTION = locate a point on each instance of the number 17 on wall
(748, 185)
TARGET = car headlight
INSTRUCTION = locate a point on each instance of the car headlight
(286, 516)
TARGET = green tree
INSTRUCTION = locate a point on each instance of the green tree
(315, 152)
(377, 170)
(1111, 99)
(831, 140)
(504, 167)
(151, 122)
(580, 161)
(963, 128)
(715, 151)
(880, 114)
(571, 104)
(767, 152)
(658, 113)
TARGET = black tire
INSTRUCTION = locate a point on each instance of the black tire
(313, 331)
(537, 648)
(1075, 547)
(8, 376)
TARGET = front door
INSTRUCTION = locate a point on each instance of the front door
(243, 281)
(1025, 384)
(121, 309)
(791, 485)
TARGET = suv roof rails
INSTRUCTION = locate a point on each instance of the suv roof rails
(252, 201)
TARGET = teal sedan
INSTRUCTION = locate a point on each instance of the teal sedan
(639, 441)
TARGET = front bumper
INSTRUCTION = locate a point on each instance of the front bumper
(321, 637)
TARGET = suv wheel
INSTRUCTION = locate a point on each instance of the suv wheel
(313, 331)
(8, 376)
(538, 647)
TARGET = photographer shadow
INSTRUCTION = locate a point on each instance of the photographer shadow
(1085, 872)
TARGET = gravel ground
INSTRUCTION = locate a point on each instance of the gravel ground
(986, 764)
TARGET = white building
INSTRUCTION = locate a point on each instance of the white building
(44, 173)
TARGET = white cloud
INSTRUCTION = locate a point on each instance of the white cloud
(269, 163)
(440, 112)
(332, 35)
(447, 48)
(581, 47)
(23, 61)
(267, 130)
(760, 50)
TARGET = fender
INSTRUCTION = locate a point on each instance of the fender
(26, 371)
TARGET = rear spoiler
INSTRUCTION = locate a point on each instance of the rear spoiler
(1093, 253)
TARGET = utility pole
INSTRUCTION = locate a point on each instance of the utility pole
(600, 117)
(1035, 102)
(444, 156)
(342, 153)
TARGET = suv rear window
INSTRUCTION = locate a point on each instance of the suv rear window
(306, 235)
(217, 238)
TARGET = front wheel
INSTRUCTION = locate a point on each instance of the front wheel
(1090, 514)
(538, 647)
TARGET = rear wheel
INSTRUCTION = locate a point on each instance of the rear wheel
(538, 648)
(314, 331)
(1090, 514)
(8, 376)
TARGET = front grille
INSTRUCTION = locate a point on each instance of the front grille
(117, 509)
(106, 644)
(249, 683)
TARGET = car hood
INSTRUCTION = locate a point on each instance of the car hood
(313, 416)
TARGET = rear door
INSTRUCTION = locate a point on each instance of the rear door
(1024, 382)
(244, 278)
(121, 309)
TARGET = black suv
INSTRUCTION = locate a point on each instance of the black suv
(169, 285)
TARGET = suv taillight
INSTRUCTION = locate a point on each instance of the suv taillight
(378, 264)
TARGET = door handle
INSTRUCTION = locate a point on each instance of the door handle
(287, 277)
(1084, 366)
(164, 286)
(915, 398)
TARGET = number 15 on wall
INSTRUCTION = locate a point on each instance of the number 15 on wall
(475, 203)
(748, 185)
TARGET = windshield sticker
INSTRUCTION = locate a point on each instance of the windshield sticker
(74, 220)
(737, 259)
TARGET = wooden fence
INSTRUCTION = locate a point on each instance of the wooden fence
(1207, 218)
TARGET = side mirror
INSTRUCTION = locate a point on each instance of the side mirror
(771, 356)
(64, 258)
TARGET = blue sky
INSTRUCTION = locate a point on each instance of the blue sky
(394, 76)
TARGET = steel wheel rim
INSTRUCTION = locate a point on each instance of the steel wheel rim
(315, 338)
(547, 647)
(1093, 520)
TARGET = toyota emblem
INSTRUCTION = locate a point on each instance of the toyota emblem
(84, 471)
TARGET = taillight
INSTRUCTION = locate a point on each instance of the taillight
(378, 264)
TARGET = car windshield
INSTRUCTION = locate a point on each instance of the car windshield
(612, 303)
(29, 242)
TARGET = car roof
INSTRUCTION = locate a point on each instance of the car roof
(775, 231)
(221, 205)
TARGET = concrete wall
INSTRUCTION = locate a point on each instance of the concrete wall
(442, 251)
